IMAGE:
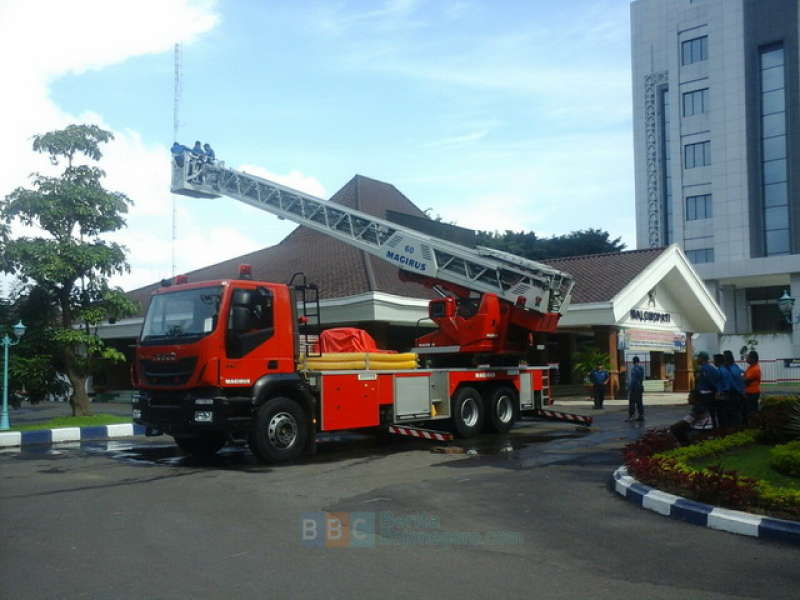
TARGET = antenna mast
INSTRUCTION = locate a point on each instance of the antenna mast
(176, 102)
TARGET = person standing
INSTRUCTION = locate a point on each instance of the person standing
(721, 399)
(599, 377)
(752, 386)
(636, 391)
(736, 393)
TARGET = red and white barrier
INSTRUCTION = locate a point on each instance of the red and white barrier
(425, 434)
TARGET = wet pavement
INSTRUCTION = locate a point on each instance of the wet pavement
(135, 518)
(530, 444)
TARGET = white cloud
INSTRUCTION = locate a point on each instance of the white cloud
(78, 36)
(293, 179)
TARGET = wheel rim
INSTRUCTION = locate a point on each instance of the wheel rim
(504, 409)
(469, 412)
(282, 430)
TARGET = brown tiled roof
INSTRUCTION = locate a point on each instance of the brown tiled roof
(600, 277)
(337, 268)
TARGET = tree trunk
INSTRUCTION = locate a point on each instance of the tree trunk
(81, 407)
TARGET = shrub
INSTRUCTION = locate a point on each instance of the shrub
(786, 458)
(779, 418)
(656, 459)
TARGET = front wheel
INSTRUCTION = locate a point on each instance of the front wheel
(202, 444)
(467, 407)
(501, 409)
(280, 432)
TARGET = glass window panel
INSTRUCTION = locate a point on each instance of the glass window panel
(775, 147)
(776, 218)
(778, 241)
(772, 58)
(707, 211)
(774, 171)
(686, 53)
(691, 212)
(776, 194)
(773, 125)
(772, 102)
(704, 100)
(706, 147)
(688, 157)
(703, 47)
(771, 79)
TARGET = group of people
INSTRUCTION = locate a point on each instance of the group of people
(724, 394)
(199, 152)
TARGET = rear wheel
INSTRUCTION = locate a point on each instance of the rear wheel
(467, 407)
(501, 409)
(280, 432)
(201, 444)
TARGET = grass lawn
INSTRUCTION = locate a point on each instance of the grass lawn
(93, 421)
(751, 461)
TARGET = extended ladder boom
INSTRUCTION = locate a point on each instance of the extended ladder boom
(525, 283)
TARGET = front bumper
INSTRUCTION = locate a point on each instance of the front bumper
(185, 413)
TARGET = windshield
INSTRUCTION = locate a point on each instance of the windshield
(185, 314)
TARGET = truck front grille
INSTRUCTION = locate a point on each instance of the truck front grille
(175, 372)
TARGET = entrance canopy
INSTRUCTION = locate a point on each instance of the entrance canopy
(654, 296)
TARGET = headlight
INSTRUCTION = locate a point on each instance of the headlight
(204, 401)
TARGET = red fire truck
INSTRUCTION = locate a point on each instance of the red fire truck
(236, 359)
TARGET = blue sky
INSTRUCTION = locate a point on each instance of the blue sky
(494, 115)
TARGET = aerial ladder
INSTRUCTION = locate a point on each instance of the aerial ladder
(491, 301)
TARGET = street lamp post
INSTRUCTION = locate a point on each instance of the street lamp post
(19, 331)
(786, 306)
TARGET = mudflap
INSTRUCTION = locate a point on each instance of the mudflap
(564, 417)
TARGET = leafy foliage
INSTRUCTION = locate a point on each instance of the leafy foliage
(528, 245)
(779, 418)
(68, 262)
(786, 458)
(587, 359)
(656, 459)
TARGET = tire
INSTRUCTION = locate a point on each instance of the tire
(501, 409)
(281, 431)
(467, 411)
(202, 444)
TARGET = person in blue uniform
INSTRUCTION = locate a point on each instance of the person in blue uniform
(599, 377)
(636, 391)
(707, 384)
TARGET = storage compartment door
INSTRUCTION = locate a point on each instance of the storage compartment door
(412, 398)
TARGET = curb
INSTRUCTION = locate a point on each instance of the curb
(705, 515)
(10, 439)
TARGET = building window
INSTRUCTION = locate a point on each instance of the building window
(695, 103)
(698, 207)
(703, 255)
(774, 172)
(765, 316)
(695, 50)
(697, 155)
(666, 164)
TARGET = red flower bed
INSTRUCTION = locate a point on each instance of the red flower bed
(712, 486)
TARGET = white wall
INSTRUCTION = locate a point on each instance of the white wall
(770, 345)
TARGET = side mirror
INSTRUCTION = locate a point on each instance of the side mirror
(240, 318)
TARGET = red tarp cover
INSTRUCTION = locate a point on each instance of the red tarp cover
(348, 339)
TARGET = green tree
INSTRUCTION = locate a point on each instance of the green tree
(528, 245)
(68, 261)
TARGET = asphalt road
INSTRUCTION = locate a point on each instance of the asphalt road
(528, 515)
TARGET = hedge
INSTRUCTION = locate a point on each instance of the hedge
(786, 458)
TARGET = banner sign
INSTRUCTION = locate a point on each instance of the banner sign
(653, 340)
